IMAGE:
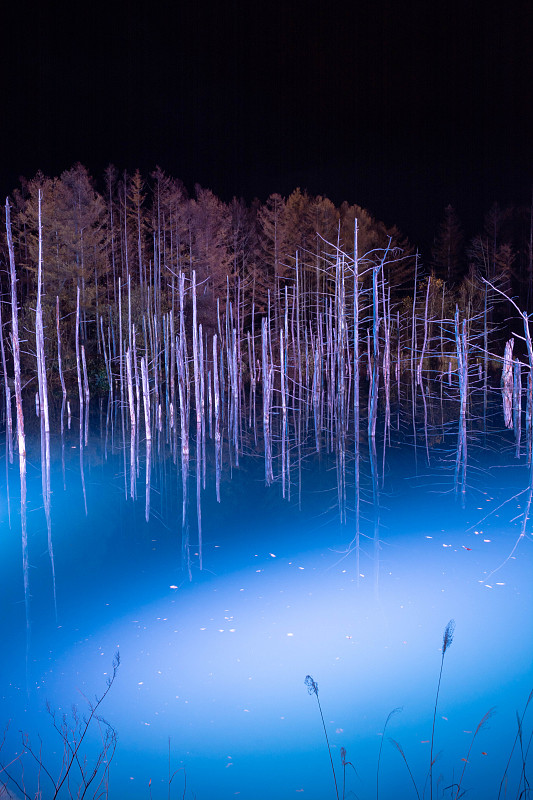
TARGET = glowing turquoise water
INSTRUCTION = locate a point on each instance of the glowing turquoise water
(217, 664)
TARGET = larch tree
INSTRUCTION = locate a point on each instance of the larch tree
(80, 214)
(243, 239)
(325, 221)
(211, 255)
(273, 243)
(447, 254)
(112, 232)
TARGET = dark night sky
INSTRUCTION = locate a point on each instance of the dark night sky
(401, 107)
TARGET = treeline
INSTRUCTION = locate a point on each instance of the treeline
(149, 228)
(138, 234)
(502, 251)
(114, 256)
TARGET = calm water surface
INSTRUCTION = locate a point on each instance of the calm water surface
(215, 662)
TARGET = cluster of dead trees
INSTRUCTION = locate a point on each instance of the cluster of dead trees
(137, 235)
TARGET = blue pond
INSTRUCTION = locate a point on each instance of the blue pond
(210, 688)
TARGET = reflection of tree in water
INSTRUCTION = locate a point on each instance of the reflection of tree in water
(326, 357)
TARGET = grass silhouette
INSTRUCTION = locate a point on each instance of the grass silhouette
(447, 639)
(398, 746)
(522, 744)
(391, 713)
(482, 723)
(344, 765)
(312, 688)
(518, 738)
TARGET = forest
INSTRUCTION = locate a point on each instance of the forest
(124, 249)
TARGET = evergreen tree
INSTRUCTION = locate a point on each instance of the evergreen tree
(447, 255)
(72, 219)
(273, 245)
(211, 255)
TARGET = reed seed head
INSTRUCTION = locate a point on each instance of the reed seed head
(312, 686)
(447, 639)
